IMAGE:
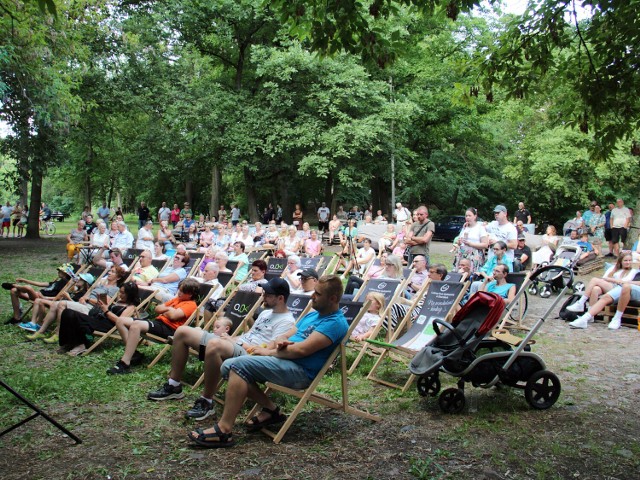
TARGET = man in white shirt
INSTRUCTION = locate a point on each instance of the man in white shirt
(323, 217)
(502, 229)
(124, 239)
(620, 222)
(269, 325)
(401, 214)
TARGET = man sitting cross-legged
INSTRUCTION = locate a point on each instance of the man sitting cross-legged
(292, 360)
(171, 315)
(214, 349)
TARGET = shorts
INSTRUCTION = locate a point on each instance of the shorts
(256, 369)
(618, 235)
(79, 307)
(15, 222)
(6, 223)
(206, 336)
(617, 290)
(158, 328)
(607, 234)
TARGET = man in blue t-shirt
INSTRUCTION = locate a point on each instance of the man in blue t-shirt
(292, 360)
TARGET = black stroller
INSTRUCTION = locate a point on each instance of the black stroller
(465, 349)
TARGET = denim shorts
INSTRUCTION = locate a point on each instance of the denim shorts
(257, 369)
(617, 290)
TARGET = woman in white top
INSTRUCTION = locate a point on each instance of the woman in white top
(291, 243)
(365, 257)
(619, 274)
(550, 242)
(472, 241)
(100, 239)
(245, 237)
(145, 237)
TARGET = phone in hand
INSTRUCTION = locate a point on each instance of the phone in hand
(102, 297)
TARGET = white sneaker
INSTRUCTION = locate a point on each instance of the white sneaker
(580, 322)
(576, 307)
(614, 324)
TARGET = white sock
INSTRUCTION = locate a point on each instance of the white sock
(617, 316)
(586, 316)
(173, 383)
(582, 300)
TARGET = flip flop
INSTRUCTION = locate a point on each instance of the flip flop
(217, 439)
(275, 417)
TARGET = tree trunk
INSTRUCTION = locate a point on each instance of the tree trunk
(33, 225)
(87, 177)
(188, 192)
(252, 209)
(110, 194)
(216, 181)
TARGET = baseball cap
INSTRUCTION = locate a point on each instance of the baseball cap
(522, 237)
(308, 273)
(500, 208)
(276, 286)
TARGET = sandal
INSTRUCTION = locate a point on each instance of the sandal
(275, 417)
(217, 439)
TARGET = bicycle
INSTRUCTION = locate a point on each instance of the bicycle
(47, 227)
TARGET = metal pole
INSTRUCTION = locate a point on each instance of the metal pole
(393, 158)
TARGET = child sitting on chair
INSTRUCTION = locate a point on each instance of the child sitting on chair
(222, 327)
(369, 320)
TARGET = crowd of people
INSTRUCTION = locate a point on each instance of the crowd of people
(276, 348)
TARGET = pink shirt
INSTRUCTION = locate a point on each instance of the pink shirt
(312, 247)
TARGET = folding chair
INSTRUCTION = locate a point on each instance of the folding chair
(159, 264)
(77, 268)
(276, 266)
(311, 263)
(299, 305)
(310, 394)
(392, 291)
(439, 302)
(205, 292)
(145, 299)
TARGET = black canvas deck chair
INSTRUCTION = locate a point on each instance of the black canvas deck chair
(311, 394)
(439, 302)
(275, 267)
(299, 305)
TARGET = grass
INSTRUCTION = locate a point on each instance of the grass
(125, 435)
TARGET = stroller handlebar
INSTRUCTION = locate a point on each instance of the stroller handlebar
(563, 276)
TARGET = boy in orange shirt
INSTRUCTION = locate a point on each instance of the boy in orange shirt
(171, 315)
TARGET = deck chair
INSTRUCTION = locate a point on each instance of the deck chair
(257, 255)
(130, 255)
(310, 394)
(276, 266)
(516, 311)
(299, 305)
(205, 292)
(392, 291)
(145, 299)
(455, 277)
(440, 302)
(159, 264)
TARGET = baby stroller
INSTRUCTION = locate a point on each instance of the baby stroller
(465, 349)
(567, 255)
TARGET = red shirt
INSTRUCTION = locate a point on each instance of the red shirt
(175, 215)
(188, 307)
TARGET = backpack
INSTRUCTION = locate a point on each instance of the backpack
(568, 316)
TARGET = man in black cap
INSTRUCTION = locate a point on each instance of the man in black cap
(522, 255)
(308, 280)
(274, 321)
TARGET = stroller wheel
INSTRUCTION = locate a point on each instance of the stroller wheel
(578, 287)
(533, 289)
(545, 292)
(452, 400)
(542, 389)
(429, 385)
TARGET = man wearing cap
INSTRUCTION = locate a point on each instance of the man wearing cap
(323, 217)
(308, 280)
(401, 214)
(273, 322)
(522, 255)
(502, 229)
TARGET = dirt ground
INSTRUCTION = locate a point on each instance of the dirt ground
(591, 432)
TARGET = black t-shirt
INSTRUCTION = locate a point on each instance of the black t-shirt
(518, 252)
(143, 213)
(54, 287)
(523, 215)
(89, 227)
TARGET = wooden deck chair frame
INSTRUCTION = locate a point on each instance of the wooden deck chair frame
(191, 320)
(311, 395)
(113, 332)
(507, 321)
(365, 347)
(406, 354)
